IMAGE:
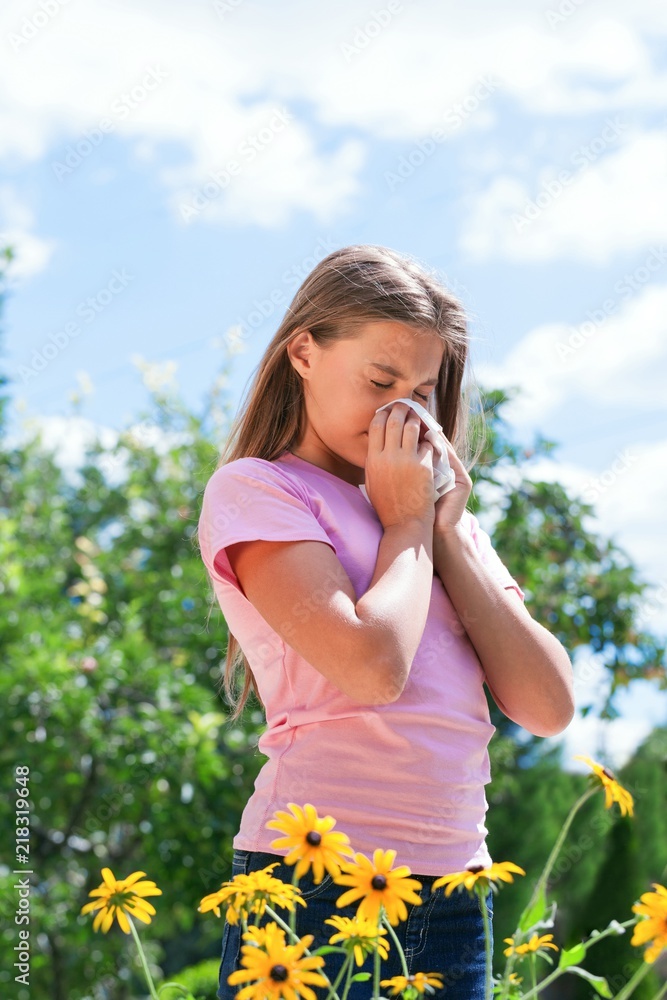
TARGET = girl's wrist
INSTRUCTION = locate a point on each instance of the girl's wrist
(445, 535)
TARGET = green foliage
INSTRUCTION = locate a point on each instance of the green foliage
(605, 864)
(582, 588)
(107, 695)
(635, 855)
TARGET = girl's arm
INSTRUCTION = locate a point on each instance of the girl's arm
(364, 645)
(528, 671)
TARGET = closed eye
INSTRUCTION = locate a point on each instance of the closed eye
(381, 386)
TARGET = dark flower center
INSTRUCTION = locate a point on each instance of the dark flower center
(279, 973)
(314, 838)
(379, 882)
(475, 869)
(608, 773)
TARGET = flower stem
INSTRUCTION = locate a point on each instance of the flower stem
(488, 985)
(542, 881)
(534, 990)
(285, 927)
(391, 930)
(533, 971)
(332, 989)
(551, 860)
(589, 944)
(376, 974)
(662, 993)
(142, 957)
(292, 912)
(629, 987)
(346, 988)
(293, 934)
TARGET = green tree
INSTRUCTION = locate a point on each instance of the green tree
(108, 697)
(585, 589)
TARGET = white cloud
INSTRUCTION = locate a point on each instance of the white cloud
(218, 78)
(629, 497)
(610, 742)
(642, 707)
(177, 76)
(596, 202)
(32, 253)
(67, 439)
(616, 355)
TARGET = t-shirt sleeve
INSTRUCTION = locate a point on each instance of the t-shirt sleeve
(490, 557)
(248, 499)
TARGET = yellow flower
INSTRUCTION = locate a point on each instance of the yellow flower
(311, 841)
(613, 791)
(471, 876)
(246, 894)
(276, 968)
(376, 884)
(118, 897)
(653, 906)
(361, 934)
(419, 981)
(532, 945)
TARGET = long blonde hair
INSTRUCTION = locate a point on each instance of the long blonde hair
(347, 288)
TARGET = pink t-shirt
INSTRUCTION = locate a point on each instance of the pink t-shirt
(409, 775)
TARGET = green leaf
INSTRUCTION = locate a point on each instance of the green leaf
(570, 956)
(324, 949)
(361, 976)
(599, 983)
(533, 914)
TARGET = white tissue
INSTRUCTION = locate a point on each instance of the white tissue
(444, 477)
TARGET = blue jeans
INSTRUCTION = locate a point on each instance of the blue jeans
(442, 934)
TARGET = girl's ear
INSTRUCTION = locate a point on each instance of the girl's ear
(299, 350)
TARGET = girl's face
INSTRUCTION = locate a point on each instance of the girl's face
(345, 384)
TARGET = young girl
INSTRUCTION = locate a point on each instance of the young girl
(368, 627)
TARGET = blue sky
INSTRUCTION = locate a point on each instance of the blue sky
(172, 171)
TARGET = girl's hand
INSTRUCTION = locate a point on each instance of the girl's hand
(399, 468)
(450, 507)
